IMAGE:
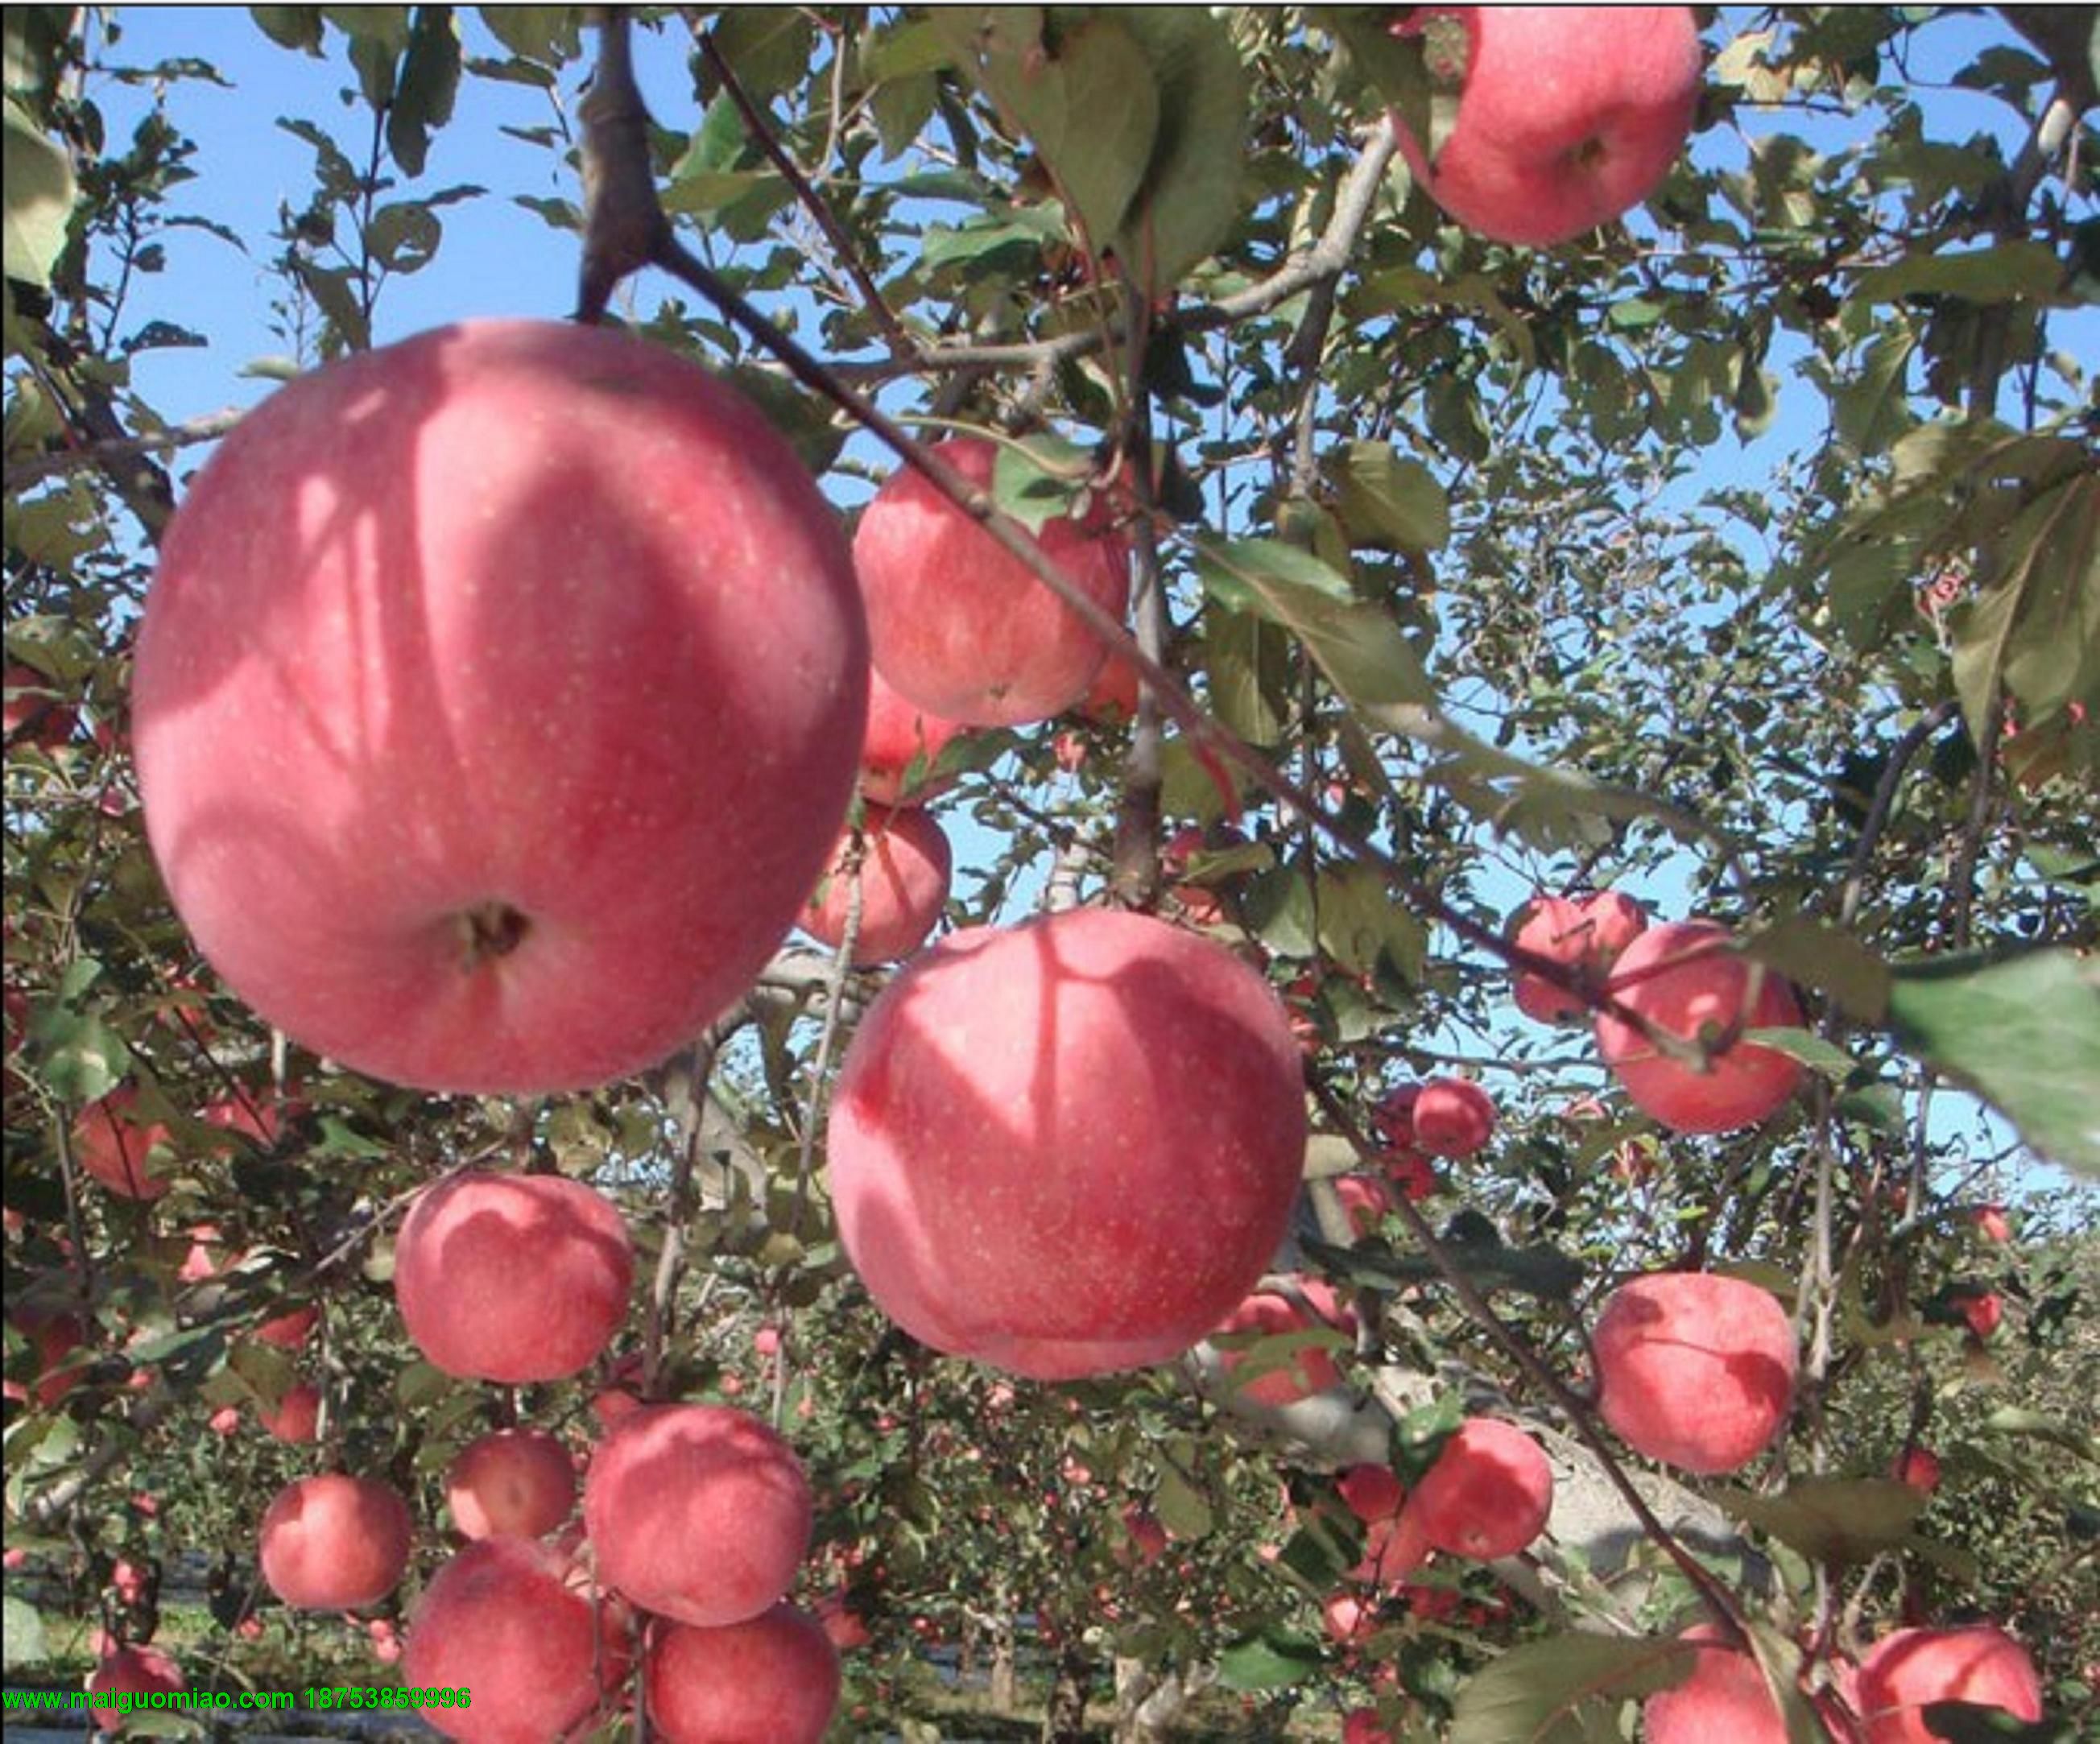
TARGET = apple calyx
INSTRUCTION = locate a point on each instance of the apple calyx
(489, 930)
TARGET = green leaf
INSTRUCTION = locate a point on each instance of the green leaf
(298, 27)
(23, 1637)
(1360, 923)
(1539, 1271)
(1248, 663)
(2013, 1420)
(769, 46)
(2023, 1033)
(2037, 628)
(1358, 645)
(1037, 480)
(1532, 1694)
(1270, 1660)
(1192, 190)
(1814, 954)
(83, 1057)
(2005, 272)
(1084, 96)
(422, 101)
(1388, 501)
(1181, 1506)
(39, 200)
(1833, 1519)
(1873, 409)
(544, 34)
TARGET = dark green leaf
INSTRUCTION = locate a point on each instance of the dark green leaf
(1814, 953)
(1532, 1694)
(1387, 501)
(2005, 272)
(1192, 189)
(290, 26)
(1833, 1519)
(1270, 1660)
(2023, 1032)
(430, 79)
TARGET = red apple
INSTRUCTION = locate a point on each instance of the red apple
(1918, 1466)
(1489, 1494)
(1453, 1117)
(288, 1332)
(501, 1619)
(1361, 1725)
(1367, 1201)
(297, 1416)
(773, 1680)
(332, 1543)
(59, 1342)
(1683, 978)
(1984, 1310)
(512, 1278)
(1904, 1673)
(225, 1421)
(1587, 933)
(130, 1671)
(1269, 1313)
(129, 1580)
(960, 626)
(903, 872)
(1568, 117)
(33, 709)
(1112, 698)
(497, 700)
(1372, 1492)
(1991, 1226)
(699, 1512)
(1695, 1371)
(1725, 1697)
(1346, 1615)
(1148, 1537)
(115, 1146)
(520, 1482)
(902, 745)
(1067, 1147)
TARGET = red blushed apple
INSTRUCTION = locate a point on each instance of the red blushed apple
(1367, 1201)
(1361, 1725)
(773, 1680)
(903, 872)
(33, 709)
(1112, 698)
(115, 1146)
(1904, 1673)
(963, 628)
(130, 1671)
(501, 1619)
(1983, 1311)
(1067, 1147)
(1695, 1371)
(1726, 1698)
(519, 1482)
(1991, 1226)
(1147, 1541)
(497, 699)
(1918, 1466)
(1585, 933)
(1453, 1117)
(699, 1512)
(512, 1278)
(1489, 1494)
(1372, 1492)
(1682, 979)
(297, 1417)
(59, 1342)
(1269, 1313)
(902, 745)
(288, 1332)
(1568, 117)
(333, 1542)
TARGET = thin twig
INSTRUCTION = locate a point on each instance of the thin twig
(209, 428)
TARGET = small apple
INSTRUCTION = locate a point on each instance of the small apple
(130, 1671)
(114, 1145)
(903, 744)
(961, 627)
(1452, 1117)
(1586, 934)
(519, 1482)
(1918, 1466)
(1983, 1310)
(512, 1278)
(297, 1419)
(903, 866)
(1684, 979)
(496, 699)
(1489, 1494)
(1567, 116)
(1694, 1369)
(1991, 1226)
(333, 1542)
(1270, 1313)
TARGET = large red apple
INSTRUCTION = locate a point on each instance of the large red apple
(773, 1680)
(518, 1482)
(1695, 1371)
(903, 870)
(903, 744)
(512, 1278)
(699, 1512)
(113, 1144)
(497, 700)
(1070, 1147)
(130, 1671)
(1567, 116)
(501, 1619)
(1683, 978)
(1906, 1672)
(959, 626)
(1271, 1313)
(1725, 1697)
(333, 1542)
(1489, 1494)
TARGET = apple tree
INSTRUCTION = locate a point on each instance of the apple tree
(1475, 632)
